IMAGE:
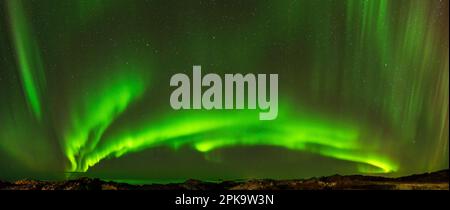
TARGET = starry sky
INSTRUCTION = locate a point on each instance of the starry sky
(84, 88)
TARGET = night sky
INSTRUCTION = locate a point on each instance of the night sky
(84, 87)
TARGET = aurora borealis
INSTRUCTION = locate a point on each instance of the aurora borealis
(363, 88)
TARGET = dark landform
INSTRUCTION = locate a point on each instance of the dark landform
(428, 181)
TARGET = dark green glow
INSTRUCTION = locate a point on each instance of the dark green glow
(364, 83)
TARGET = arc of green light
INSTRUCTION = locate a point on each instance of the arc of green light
(28, 58)
(91, 116)
(209, 132)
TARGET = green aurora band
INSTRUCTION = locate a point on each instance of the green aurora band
(208, 131)
(361, 81)
(100, 109)
(28, 57)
